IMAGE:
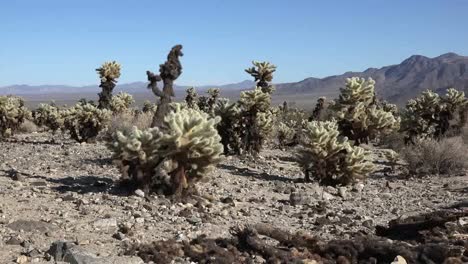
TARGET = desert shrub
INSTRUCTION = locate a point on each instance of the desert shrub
(49, 116)
(431, 156)
(329, 158)
(121, 102)
(170, 158)
(28, 126)
(359, 115)
(12, 114)
(431, 115)
(84, 121)
(125, 122)
(109, 72)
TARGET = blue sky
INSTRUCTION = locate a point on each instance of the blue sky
(62, 42)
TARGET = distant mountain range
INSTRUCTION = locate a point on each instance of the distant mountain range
(396, 83)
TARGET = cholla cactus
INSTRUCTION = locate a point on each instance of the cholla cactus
(192, 98)
(392, 158)
(318, 110)
(12, 115)
(149, 107)
(50, 116)
(171, 158)
(263, 75)
(121, 102)
(208, 104)
(229, 127)
(285, 134)
(359, 116)
(84, 122)
(330, 159)
(430, 115)
(109, 72)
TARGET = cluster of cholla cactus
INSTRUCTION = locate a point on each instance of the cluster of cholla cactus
(360, 117)
(85, 121)
(191, 99)
(109, 72)
(256, 118)
(169, 158)
(329, 158)
(289, 123)
(229, 126)
(149, 107)
(50, 116)
(121, 103)
(207, 103)
(12, 115)
(431, 115)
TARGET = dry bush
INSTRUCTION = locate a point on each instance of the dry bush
(431, 156)
(394, 140)
(28, 127)
(126, 120)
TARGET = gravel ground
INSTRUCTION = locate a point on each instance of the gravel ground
(54, 190)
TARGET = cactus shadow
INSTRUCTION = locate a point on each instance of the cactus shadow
(246, 172)
(80, 184)
(32, 142)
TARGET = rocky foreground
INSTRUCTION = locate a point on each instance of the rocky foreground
(60, 199)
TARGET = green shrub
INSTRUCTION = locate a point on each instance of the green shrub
(12, 114)
(172, 158)
(85, 121)
(331, 160)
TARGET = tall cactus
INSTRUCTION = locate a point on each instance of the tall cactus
(168, 73)
(191, 99)
(263, 75)
(109, 72)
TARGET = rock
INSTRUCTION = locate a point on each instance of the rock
(140, 193)
(327, 196)
(73, 254)
(119, 236)
(358, 187)
(343, 192)
(22, 259)
(368, 223)
(14, 241)
(105, 223)
(194, 220)
(399, 260)
(296, 198)
(31, 226)
(386, 195)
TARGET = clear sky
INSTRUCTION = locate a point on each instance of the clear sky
(63, 41)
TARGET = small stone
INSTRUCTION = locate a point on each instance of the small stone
(140, 193)
(386, 195)
(358, 187)
(343, 192)
(296, 198)
(119, 236)
(105, 223)
(327, 196)
(139, 220)
(14, 241)
(368, 223)
(22, 259)
(399, 260)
